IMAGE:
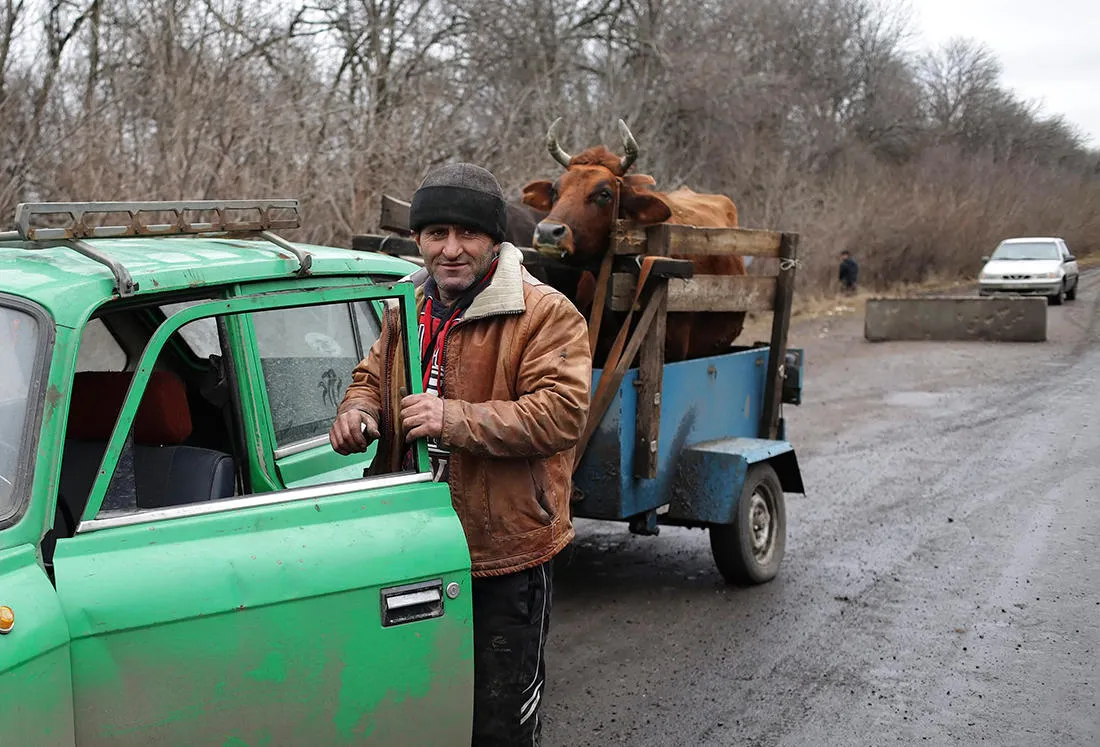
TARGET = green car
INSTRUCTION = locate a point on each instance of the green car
(183, 558)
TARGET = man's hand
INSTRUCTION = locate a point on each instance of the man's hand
(422, 415)
(352, 432)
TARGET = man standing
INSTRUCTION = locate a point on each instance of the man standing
(849, 273)
(506, 371)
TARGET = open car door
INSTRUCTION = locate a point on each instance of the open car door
(328, 613)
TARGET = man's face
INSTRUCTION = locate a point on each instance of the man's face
(455, 256)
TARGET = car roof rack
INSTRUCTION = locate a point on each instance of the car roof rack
(254, 217)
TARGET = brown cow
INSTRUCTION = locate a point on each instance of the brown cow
(578, 230)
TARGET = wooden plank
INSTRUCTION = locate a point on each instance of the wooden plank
(390, 244)
(627, 238)
(610, 381)
(651, 364)
(395, 215)
(695, 240)
(781, 322)
(703, 293)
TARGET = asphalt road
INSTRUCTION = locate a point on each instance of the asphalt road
(942, 577)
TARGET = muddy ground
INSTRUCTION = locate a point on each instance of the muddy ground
(942, 577)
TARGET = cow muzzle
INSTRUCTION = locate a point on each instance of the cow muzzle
(553, 239)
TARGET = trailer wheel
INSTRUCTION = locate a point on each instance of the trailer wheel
(749, 550)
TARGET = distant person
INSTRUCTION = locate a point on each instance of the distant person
(849, 273)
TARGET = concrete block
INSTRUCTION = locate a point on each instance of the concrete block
(1003, 319)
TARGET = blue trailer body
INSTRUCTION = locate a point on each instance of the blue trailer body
(711, 412)
(720, 460)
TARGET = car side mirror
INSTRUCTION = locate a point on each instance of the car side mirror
(1070, 258)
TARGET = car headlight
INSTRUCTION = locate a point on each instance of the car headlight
(1048, 275)
(989, 276)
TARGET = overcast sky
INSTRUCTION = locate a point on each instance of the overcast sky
(1049, 49)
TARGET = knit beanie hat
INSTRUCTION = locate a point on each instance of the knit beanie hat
(462, 194)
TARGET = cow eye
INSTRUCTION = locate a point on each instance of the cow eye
(553, 195)
(603, 197)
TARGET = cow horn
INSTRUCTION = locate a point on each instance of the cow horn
(630, 145)
(552, 145)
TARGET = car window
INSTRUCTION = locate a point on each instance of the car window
(186, 443)
(367, 316)
(19, 340)
(1027, 250)
(308, 354)
(99, 350)
(200, 335)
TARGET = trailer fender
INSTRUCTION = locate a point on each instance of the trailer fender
(710, 476)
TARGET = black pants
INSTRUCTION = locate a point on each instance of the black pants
(511, 621)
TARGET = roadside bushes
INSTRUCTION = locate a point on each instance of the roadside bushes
(933, 219)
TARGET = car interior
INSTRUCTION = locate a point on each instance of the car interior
(183, 445)
(187, 442)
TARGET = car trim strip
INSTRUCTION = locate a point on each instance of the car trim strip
(312, 492)
(300, 446)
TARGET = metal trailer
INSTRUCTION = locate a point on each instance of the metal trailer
(697, 443)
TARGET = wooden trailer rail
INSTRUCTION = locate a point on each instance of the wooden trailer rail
(699, 293)
(670, 287)
(702, 292)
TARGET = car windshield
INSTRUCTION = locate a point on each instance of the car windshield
(19, 335)
(1027, 250)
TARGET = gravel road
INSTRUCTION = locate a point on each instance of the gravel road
(942, 577)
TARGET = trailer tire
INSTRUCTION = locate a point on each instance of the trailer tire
(749, 550)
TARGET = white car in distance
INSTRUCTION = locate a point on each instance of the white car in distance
(1033, 266)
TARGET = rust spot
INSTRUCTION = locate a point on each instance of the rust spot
(53, 396)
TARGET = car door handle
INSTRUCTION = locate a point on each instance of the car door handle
(411, 602)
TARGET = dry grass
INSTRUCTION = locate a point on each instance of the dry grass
(1089, 261)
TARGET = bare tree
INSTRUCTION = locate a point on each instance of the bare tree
(811, 114)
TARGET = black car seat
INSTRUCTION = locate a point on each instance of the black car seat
(166, 472)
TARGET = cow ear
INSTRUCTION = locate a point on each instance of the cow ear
(644, 208)
(640, 180)
(537, 195)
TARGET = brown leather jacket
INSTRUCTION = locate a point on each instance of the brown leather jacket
(517, 372)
